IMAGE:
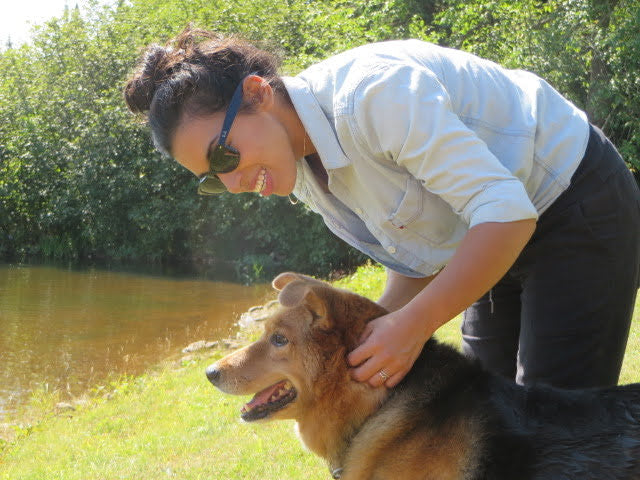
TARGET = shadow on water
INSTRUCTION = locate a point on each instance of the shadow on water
(70, 328)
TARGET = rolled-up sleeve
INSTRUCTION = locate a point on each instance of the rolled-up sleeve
(404, 113)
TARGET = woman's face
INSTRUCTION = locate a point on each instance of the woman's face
(263, 138)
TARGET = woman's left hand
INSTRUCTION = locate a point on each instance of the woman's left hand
(389, 346)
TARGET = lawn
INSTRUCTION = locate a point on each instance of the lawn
(170, 423)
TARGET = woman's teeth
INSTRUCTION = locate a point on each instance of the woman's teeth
(261, 182)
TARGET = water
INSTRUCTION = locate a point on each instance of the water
(68, 330)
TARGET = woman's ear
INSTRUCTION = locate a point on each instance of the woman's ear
(257, 91)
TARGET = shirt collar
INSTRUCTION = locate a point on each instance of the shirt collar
(320, 129)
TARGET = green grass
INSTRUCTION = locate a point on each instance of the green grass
(170, 423)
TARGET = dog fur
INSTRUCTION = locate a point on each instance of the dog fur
(448, 419)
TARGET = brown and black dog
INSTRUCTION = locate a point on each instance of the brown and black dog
(448, 419)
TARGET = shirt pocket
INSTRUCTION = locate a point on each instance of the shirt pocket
(422, 214)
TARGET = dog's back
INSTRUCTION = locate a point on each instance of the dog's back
(577, 434)
(521, 432)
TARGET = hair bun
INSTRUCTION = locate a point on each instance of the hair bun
(154, 68)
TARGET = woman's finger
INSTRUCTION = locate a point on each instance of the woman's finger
(366, 370)
(372, 372)
(395, 379)
(364, 351)
(368, 330)
(359, 355)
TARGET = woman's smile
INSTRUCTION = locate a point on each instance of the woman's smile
(261, 181)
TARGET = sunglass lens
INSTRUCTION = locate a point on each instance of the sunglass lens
(210, 185)
(224, 159)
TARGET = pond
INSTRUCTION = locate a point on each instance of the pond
(67, 330)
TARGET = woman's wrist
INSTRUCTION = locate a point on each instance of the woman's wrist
(424, 320)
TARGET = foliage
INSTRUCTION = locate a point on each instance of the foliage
(79, 178)
(621, 83)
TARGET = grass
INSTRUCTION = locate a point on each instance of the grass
(170, 423)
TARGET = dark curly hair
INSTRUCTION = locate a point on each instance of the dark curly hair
(195, 74)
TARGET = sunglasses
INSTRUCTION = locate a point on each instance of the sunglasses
(222, 158)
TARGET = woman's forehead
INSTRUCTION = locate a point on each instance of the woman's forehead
(192, 139)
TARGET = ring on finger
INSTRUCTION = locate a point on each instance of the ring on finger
(384, 375)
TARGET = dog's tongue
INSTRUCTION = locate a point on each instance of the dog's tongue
(263, 396)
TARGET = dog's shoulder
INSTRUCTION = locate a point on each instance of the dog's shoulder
(442, 373)
(447, 387)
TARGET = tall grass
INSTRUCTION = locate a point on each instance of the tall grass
(171, 424)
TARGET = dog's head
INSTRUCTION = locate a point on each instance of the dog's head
(301, 357)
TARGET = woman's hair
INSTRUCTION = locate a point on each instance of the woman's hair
(195, 74)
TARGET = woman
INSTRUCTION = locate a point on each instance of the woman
(480, 189)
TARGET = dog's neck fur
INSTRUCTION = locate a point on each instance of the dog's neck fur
(352, 402)
(330, 438)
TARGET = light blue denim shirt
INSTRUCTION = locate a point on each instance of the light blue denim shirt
(421, 143)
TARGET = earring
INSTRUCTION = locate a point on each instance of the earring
(304, 143)
(292, 199)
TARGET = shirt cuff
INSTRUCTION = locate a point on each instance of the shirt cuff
(502, 201)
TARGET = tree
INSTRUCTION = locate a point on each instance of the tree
(79, 178)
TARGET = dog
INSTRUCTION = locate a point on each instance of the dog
(449, 418)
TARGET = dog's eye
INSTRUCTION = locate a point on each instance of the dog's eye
(279, 340)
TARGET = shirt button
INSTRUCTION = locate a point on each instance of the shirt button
(391, 249)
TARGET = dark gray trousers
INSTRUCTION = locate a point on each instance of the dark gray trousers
(561, 315)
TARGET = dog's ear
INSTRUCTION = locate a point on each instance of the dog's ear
(301, 290)
(286, 278)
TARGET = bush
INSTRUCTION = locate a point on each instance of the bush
(79, 178)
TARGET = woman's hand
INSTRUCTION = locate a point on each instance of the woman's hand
(389, 344)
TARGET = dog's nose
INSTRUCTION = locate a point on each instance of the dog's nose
(213, 373)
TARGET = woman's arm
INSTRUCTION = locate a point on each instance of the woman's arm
(400, 290)
(394, 341)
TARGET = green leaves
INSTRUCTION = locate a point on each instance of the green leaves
(79, 177)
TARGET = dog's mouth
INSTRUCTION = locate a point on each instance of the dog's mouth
(269, 401)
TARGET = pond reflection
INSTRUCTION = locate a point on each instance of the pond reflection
(69, 329)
